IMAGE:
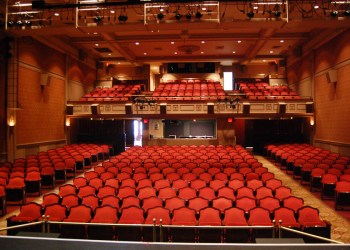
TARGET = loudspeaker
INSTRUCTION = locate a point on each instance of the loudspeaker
(81, 55)
(44, 79)
(282, 63)
(282, 108)
(69, 110)
(298, 51)
(163, 108)
(95, 109)
(246, 108)
(309, 107)
(243, 68)
(272, 67)
(332, 76)
(210, 109)
(128, 108)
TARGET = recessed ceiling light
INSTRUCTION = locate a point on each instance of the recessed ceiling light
(57, 14)
(112, 11)
(202, 41)
(239, 41)
(233, 52)
(282, 41)
(264, 60)
(137, 43)
(316, 7)
(95, 33)
(109, 54)
(118, 63)
(175, 53)
(202, 52)
(145, 53)
(271, 51)
(172, 42)
(96, 44)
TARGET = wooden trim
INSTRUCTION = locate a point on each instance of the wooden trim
(25, 145)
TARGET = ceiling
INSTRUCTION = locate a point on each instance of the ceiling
(224, 33)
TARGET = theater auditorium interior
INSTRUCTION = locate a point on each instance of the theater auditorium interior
(153, 124)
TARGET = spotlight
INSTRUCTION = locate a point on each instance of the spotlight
(188, 16)
(250, 14)
(10, 23)
(347, 13)
(19, 23)
(178, 16)
(97, 19)
(334, 13)
(28, 23)
(122, 18)
(160, 16)
(277, 13)
(198, 15)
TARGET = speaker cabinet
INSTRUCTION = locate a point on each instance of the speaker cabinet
(163, 108)
(282, 108)
(210, 108)
(128, 109)
(310, 107)
(69, 110)
(44, 79)
(332, 76)
(246, 108)
(95, 109)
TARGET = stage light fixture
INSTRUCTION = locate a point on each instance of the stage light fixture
(19, 23)
(122, 18)
(199, 15)
(250, 14)
(334, 13)
(160, 16)
(277, 14)
(97, 19)
(178, 16)
(10, 23)
(28, 23)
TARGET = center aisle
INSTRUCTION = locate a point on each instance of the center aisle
(340, 229)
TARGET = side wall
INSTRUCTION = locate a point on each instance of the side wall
(332, 106)
(44, 85)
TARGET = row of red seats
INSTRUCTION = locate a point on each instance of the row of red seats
(115, 93)
(181, 216)
(129, 191)
(29, 175)
(178, 81)
(322, 170)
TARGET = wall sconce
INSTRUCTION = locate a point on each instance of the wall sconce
(11, 117)
(312, 120)
(67, 121)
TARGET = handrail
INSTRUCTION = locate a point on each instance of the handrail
(309, 235)
(22, 225)
(45, 222)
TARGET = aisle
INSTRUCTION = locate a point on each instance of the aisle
(340, 229)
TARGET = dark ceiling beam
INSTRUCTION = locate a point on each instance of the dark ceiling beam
(40, 4)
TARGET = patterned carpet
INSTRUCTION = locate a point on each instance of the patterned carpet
(340, 229)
